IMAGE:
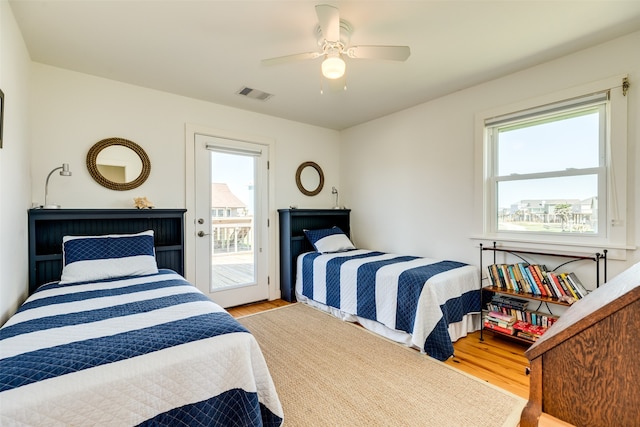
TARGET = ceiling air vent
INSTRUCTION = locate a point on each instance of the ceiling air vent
(254, 94)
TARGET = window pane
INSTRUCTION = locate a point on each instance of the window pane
(567, 141)
(554, 205)
(233, 196)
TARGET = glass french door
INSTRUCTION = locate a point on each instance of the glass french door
(231, 220)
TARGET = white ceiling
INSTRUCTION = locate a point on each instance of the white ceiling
(209, 49)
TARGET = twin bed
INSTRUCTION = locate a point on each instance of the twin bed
(137, 350)
(118, 341)
(420, 302)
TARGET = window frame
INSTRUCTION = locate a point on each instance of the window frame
(494, 178)
(612, 225)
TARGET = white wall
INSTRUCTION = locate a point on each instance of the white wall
(410, 177)
(72, 111)
(15, 178)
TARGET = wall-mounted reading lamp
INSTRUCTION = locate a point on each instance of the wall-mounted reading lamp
(64, 172)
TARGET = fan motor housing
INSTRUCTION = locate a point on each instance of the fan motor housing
(345, 34)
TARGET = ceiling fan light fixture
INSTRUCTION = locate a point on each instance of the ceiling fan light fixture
(333, 38)
(333, 66)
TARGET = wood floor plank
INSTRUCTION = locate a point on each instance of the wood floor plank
(495, 360)
(247, 309)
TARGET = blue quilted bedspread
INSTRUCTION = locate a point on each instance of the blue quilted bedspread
(419, 296)
(149, 350)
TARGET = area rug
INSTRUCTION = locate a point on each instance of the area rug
(333, 373)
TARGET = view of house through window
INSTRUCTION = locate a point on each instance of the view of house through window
(548, 168)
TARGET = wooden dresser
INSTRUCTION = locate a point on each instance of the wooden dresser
(585, 368)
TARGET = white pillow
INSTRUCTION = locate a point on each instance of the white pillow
(86, 258)
(328, 240)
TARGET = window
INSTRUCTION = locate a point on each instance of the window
(549, 169)
(555, 171)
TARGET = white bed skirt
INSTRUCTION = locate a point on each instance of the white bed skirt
(469, 323)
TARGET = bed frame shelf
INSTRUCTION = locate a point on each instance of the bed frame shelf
(48, 226)
(293, 241)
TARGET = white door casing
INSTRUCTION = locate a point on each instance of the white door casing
(198, 260)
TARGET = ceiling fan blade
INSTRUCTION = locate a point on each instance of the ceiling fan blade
(392, 53)
(291, 58)
(329, 21)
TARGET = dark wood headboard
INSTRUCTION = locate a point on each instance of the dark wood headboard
(48, 226)
(293, 241)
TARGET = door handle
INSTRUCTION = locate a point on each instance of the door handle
(202, 233)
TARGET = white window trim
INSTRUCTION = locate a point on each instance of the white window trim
(616, 239)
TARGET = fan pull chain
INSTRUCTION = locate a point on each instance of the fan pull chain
(344, 88)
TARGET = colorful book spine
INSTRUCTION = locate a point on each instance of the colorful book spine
(563, 285)
(512, 278)
(524, 273)
(503, 283)
(507, 278)
(535, 281)
(493, 276)
(578, 285)
(501, 316)
(541, 271)
(555, 283)
(535, 272)
(504, 330)
(521, 282)
(572, 291)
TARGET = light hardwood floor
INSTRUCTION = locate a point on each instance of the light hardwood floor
(495, 360)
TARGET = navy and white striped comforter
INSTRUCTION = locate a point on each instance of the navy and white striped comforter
(418, 296)
(150, 350)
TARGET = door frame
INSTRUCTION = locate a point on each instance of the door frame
(191, 130)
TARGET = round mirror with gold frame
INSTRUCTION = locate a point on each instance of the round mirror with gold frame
(118, 164)
(309, 178)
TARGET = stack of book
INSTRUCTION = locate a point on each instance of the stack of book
(528, 331)
(510, 316)
(536, 280)
(507, 304)
(500, 322)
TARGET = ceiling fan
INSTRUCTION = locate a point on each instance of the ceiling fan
(333, 38)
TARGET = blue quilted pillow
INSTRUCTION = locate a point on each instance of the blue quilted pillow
(329, 240)
(86, 258)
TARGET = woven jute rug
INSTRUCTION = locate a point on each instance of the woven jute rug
(332, 373)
